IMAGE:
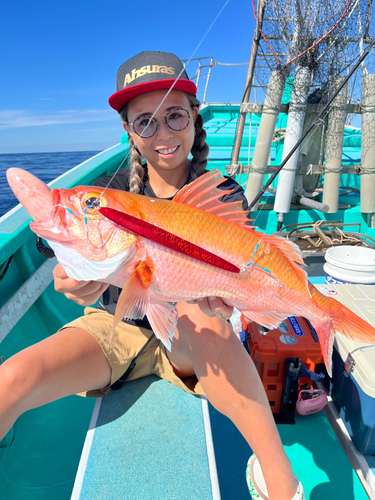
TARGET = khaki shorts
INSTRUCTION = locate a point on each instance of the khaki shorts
(126, 343)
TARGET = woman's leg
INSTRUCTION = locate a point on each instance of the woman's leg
(232, 384)
(69, 362)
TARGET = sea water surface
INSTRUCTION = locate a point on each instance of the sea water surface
(46, 166)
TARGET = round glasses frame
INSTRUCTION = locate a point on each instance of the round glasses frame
(154, 120)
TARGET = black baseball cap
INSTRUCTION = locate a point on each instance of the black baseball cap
(149, 71)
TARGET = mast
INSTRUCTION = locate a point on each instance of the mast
(249, 80)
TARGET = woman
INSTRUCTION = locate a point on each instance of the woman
(80, 359)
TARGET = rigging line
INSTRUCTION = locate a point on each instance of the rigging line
(323, 37)
(318, 117)
(169, 91)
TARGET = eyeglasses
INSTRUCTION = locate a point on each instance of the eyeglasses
(177, 119)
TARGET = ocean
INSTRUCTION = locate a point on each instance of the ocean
(46, 166)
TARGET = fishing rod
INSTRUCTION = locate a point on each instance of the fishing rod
(312, 125)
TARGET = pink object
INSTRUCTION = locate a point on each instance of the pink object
(311, 401)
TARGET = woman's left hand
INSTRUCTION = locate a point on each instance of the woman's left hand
(214, 306)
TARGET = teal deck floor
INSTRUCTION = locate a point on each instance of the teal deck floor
(146, 448)
(312, 447)
(46, 449)
(149, 443)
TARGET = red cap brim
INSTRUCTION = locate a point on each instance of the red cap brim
(118, 100)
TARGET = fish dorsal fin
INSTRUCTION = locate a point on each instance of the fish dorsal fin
(203, 193)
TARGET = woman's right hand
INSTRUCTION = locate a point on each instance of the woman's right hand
(84, 293)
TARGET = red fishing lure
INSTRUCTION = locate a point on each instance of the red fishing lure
(159, 235)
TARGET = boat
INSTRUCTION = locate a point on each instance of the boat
(150, 440)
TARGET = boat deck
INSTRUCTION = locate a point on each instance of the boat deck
(151, 440)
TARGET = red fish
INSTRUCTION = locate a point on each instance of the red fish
(270, 285)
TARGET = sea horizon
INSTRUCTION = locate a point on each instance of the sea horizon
(45, 165)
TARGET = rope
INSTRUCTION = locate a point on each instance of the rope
(323, 37)
(331, 241)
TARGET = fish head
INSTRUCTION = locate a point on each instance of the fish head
(70, 217)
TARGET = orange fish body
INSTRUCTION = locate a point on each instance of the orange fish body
(270, 286)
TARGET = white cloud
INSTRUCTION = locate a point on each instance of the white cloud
(22, 118)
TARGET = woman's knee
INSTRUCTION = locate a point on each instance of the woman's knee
(19, 375)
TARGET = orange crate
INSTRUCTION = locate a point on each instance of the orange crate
(293, 339)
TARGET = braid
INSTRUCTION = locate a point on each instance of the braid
(199, 150)
(137, 172)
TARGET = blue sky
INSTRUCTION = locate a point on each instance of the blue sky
(59, 61)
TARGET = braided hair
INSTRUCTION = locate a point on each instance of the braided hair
(200, 148)
(199, 151)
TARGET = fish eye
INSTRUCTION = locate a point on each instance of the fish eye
(93, 202)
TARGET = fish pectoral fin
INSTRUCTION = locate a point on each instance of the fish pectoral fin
(163, 319)
(269, 320)
(134, 299)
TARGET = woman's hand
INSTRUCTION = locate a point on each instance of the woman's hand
(214, 306)
(84, 293)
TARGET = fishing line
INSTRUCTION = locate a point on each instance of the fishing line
(169, 91)
(93, 206)
(260, 267)
(157, 109)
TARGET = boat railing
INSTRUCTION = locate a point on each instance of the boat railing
(208, 63)
(24, 273)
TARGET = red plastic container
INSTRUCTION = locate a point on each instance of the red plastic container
(295, 338)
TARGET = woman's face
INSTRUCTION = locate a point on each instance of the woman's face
(166, 149)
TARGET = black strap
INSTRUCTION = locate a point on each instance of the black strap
(119, 383)
(46, 251)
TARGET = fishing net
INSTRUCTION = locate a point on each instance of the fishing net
(324, 36)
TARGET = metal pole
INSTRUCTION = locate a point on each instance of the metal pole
(265, 135)
(208, 79)
(199, 73)
(294, 131)
(334, 141)
(249, 80)
(368, 145)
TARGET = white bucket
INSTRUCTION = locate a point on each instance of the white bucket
(346, 264)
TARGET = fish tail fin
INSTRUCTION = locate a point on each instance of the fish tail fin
(338, 319)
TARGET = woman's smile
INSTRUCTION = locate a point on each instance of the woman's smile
(165, 152)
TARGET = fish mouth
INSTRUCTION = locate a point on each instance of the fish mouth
(58, 211)
(50, 233)
(31, 192)
(54, 228)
